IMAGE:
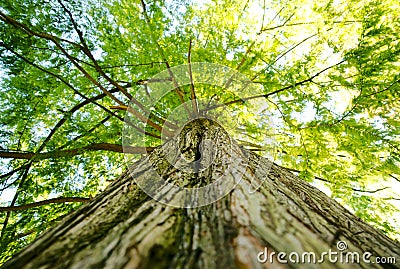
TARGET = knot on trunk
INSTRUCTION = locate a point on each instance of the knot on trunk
(196, 137)
(197, 155)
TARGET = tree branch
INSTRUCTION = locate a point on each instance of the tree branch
(306, 23)
(151, 64)
(87, 132)
(23, 177)
(91, 100)
(73, 152)
(58, 200)
(276, 91)
(97, 67)
(176, 86)
(56, 40)
(192, 91)
(106, 92)
(383, 90)
(327, 181)
(283, 54)
(30, 32)
(392, 176)
(86, 50)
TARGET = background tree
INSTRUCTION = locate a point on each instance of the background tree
(329, 72)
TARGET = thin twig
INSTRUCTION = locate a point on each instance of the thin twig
(192, 91)
(23, 177)
(45, 202)
(178, 90)
(73, 152)
(91, 100)
(328, 181)
(55, 41)
(276, 91)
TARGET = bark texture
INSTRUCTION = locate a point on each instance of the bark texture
(125, 228)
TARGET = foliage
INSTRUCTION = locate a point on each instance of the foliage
(328, 70)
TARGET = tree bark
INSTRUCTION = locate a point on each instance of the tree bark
(125, 228)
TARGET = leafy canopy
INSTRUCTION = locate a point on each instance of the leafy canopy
(327, 71)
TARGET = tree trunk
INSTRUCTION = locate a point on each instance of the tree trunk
(125, 228)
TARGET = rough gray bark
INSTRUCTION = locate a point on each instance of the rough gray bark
(125, 228)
